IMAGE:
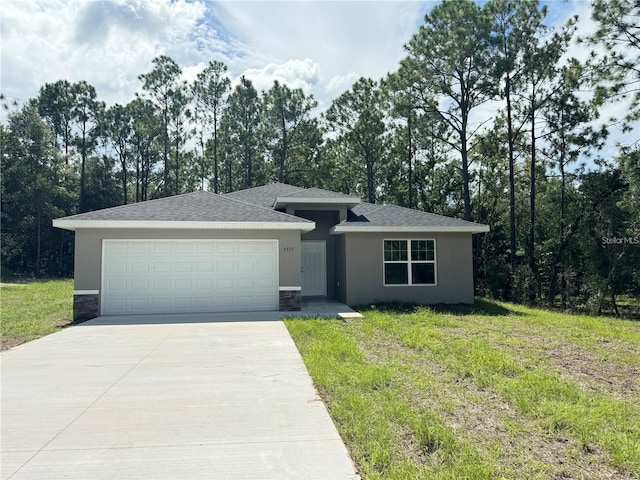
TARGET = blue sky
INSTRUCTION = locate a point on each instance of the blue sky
(320, 46)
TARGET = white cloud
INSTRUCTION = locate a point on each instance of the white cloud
(320, 46)
(303, 74)
(340, 83)
(106, 43)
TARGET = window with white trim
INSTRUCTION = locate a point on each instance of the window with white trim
(409, 262)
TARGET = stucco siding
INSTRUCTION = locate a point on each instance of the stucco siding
(364, 270)
(324, 221)
(88, 250)
(341, 270)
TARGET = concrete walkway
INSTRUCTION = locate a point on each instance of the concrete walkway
(184, 397)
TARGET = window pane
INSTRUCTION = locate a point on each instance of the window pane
(395, 250)
(431, 250)
(388, 251)
(418, 250)
(396, 274)
(423, 274)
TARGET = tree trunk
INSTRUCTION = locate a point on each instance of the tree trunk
(532, 206)
(36, 272)
(371, 194)
(215, 152)
(512, 187)
(410, 158)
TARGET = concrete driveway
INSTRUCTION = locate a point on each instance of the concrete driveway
(165, 398)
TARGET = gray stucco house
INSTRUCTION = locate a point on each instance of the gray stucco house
(263, 249)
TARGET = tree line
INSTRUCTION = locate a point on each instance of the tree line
(420, 137)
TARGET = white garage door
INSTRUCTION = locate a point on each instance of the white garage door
(188, 276)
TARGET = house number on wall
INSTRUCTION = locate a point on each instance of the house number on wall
(288, 249)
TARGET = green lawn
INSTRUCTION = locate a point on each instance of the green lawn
(31, 310)
(489, 391)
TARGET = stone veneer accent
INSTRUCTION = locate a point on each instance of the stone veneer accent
(290, 300)
(85, 307)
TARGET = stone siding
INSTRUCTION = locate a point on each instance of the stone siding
(290, 300)
(85, 307)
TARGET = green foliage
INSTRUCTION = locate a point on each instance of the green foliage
(616, 66)
(413, 138)
(35, 190)
(357, 117)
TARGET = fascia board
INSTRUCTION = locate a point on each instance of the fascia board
(176, 225)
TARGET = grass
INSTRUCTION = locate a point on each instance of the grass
(32, 310)
(492, 390)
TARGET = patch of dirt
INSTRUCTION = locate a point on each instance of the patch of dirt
(593, 373)
(490, 424)
(10, 342)
(4, 284)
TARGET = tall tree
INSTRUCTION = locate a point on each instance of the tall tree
(55, 102)
(516, 26)
(569, 136)
(449, 67)
(86, 113)
(179, 118)
(118, 130)
(160, 86)
(32, 196)
(210, 91)
(286, 114)
(618, 68)
(357, 117)
(243, 118)
(146, 130)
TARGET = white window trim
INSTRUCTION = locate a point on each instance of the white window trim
(409, 262)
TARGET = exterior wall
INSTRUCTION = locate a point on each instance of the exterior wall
(341, 269)
(88, 251)
(364, 270)
(324, 221)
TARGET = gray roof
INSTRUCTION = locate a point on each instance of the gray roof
(370, 215)
(319, 193)
(264, 196)
(256, 205)
(190, 207)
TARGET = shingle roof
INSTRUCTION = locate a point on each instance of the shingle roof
(370, 215)
(264, 196)
(190, 207)
(256, 206)
(318, 193)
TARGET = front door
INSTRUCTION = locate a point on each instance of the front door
(314, 268)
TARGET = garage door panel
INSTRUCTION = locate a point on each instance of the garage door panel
(117, 248)
(166, 276)
(160, 266)
(139, 248)
(205, 266)
(116, 266)
(161, 247)
(139, 285)
(139, 266)
(226, 247)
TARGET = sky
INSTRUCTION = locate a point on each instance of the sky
(322, 47)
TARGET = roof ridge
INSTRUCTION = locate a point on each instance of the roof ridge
(268, 209)
(262, 186)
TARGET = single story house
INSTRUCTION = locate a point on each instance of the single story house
(264, 249)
